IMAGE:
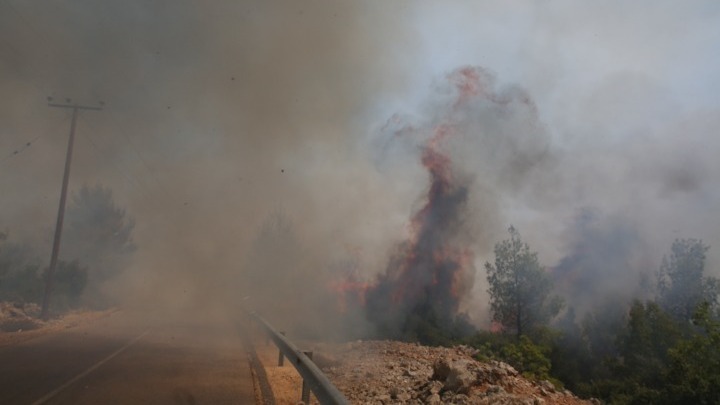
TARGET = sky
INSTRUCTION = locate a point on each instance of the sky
(220, 116)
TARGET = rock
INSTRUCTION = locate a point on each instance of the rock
(467, 350)
(455, 375)
(409, 373)
(494, 390)
(435, 387)
(325, 361)
(483, 376)
(547, 385)
(433, 399)
(389, 372)
(441, 369)
(459, 379)
(461, 399)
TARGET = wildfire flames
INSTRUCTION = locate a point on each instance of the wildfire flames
(349, 292)
(431, 272)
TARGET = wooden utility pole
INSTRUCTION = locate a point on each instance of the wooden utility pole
(61, 209)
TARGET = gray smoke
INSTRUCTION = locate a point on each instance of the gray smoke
(606, 258)
(219, 116)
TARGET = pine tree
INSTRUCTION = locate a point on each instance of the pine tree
(520, 290)
(682, 284)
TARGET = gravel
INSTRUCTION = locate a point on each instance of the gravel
(391, 372)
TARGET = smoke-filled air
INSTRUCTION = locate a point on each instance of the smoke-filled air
(351, 170)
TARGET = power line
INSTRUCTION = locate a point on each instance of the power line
(26, 145)
(20, 149)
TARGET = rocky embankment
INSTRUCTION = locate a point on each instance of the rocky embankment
(389, 372)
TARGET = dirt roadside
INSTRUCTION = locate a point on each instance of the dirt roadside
(390, 372)
(20, 323)
(285, 381)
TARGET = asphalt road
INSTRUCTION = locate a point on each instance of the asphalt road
(119, 360)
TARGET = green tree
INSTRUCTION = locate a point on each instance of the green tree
(3, 261)
(571, 359)
(21, 285)
(528, 358)
(531, 358)
(70, 281)
(682, 285)
(638, 369)
(99, 233)
(520, 290)
(694, 369)
(19, 272)
(602, 327)
(644, 345)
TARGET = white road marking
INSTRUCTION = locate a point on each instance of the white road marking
(94, 367)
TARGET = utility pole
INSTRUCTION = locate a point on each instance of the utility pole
(63, 196)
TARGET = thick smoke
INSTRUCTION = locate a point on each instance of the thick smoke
(607, 258)
(217, 116)
(433, 271)
(428, 276)
(222, 117)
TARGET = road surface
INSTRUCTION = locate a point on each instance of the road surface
(119, 360)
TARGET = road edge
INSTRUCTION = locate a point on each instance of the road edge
(263, 391)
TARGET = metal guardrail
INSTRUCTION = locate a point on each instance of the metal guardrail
(324, 390)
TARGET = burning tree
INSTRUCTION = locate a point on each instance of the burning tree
(419, 295)
(476, 132)
(423, 284)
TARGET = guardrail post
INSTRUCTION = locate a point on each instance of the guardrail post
(305, 388)
(281, 358)
(317, 383)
